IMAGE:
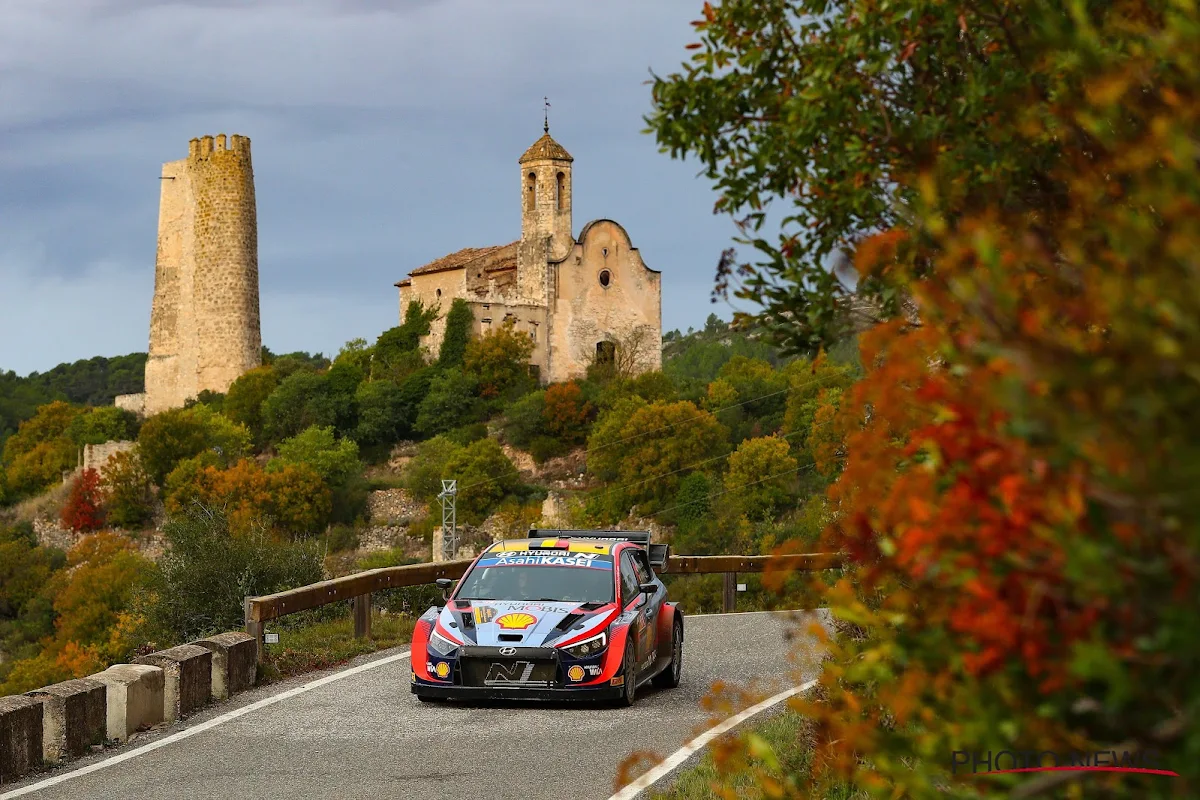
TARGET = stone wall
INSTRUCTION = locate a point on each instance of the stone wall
(204, 322)
(132, 402)
(96, 456)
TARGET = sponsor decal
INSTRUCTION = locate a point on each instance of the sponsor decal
(592, 560)
(617, 681)
(414, 676)
(575, 673)
(593, 670)
(516, 622)
(510, 672)
(484, 614)
(442, 670)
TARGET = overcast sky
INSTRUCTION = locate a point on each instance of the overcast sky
(385, 134)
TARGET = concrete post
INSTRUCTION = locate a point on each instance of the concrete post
(75, 717)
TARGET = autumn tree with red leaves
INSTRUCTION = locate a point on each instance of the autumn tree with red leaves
(82, 511)
(1015, 185)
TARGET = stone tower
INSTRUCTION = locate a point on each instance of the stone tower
(204, 323)
(545, 215)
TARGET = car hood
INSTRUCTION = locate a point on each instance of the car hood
(521, 623)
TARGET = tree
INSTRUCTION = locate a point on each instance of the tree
(565, 412)
(397, 350)
(36, 456)
(429, 467)
(484, 475)
(525, 419)
(82, 511)
(182, 433)
(104, 424)
(459, 321)
(760, 472)
(126, 490)
(301, 400)
(245, 398)
(650, 447)
(1017, 487)
(335, 460)
(450, 403)
(499, 359)
(357, 352)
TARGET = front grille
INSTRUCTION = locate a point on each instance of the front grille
(515, 671)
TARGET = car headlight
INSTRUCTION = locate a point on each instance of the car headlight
(588, 647)
(441, 645)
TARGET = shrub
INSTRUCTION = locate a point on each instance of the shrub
(484, 475)
(499, 359)
(207, 570)
(450, 403)
(245, 398)
(335, 460)
(103, 424)
(524, 420)
(83, 511)
(458, 332)
(182, 433)
(566, 413)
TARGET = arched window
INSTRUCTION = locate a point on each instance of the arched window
(562, 191)
(606, 352)
(530, 191)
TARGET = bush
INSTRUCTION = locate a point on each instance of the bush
(459, 321)
(182, 433)
(468, 433)
(484, 475)
(103, 424)
(566, 413)
(82, 512)
(245, 398)
(335, 460)
(450, 403)
(207, 570)
(499, 360)
(428, 468)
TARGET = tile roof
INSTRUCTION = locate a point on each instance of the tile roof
(486, 259)
(544, 149)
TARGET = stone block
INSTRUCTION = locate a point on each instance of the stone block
(234, 663)
(134, 697)
(74, 717)
(187, 672)
(20, 737)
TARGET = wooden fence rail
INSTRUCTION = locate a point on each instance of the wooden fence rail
(359, 586)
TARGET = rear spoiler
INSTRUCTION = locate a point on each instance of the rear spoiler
(657, 552)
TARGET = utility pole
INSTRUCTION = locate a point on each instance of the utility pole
(449, 528)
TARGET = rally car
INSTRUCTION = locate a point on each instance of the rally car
(561, 614)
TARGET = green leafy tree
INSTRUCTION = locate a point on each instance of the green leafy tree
(335, 460)
(301, 400)
(36, 456)
(397, 350)
(524, 420)
(450, 403)
(429, 467)
(182, 433)
(126, 490)
(104, 424)
(357, 352)
(485, 476)
(499, 360)
(758, 479)
(459, 321)
(245, 398)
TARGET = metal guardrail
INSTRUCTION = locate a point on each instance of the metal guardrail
(359, 586)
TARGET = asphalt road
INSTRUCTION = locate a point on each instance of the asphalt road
(366, 736)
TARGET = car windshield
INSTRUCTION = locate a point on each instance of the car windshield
(538, 583)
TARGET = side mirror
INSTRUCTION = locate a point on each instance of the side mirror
(444, 584)
(648, 588)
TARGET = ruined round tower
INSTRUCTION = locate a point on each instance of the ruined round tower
(204, 322)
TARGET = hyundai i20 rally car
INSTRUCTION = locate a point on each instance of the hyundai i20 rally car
(560, 615)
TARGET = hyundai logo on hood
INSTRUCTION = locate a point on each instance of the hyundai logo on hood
(508, 651)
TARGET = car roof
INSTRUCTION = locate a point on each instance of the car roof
(564, 545)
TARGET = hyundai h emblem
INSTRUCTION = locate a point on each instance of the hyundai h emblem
(508, 651)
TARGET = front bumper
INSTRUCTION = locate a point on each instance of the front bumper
(601, 692)
(532, 673)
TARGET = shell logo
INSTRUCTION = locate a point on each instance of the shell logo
(442, 669)
(516, 622)
(575, 673)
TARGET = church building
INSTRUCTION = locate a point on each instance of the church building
(579, 299)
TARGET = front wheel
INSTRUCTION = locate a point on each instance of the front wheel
(669, 677)
(629, 669)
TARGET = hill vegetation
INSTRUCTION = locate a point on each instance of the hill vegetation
(254, 489)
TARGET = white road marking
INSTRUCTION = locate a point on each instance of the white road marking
(204, 726)
(663, 768)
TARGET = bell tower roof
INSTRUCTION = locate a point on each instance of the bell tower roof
(545, 149)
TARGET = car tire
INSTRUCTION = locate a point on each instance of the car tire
(669, 677)
(629, 670)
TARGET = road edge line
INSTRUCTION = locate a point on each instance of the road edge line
(203, 726)
(672, 762)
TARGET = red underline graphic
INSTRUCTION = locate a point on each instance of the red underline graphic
(1139, 770)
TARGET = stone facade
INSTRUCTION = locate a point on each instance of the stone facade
(96, 456)
(204, 321)
(578, 299)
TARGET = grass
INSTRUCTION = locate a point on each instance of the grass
(324, 644)
(788, 735)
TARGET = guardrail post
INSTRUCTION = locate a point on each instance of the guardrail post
(362, 616)
(253, 628)
(729, 601)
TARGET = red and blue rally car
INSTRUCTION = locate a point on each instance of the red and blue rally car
(562, 614)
